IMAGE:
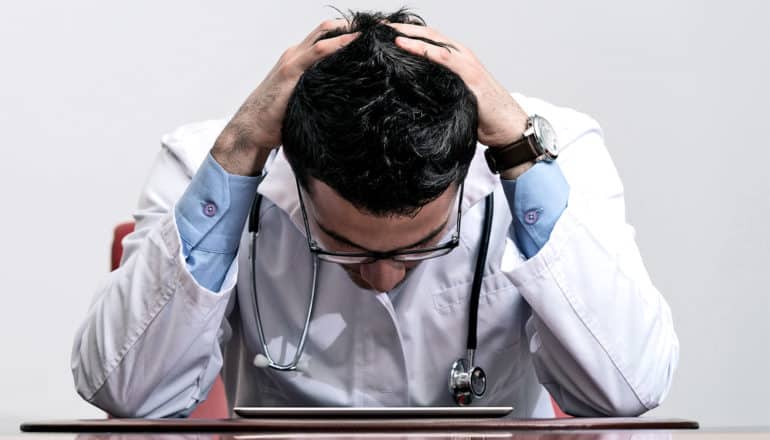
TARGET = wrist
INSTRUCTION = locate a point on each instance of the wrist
(513, 132)
(236, 155)
(538, 142)
(504, 123)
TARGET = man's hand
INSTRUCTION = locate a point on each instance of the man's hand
(245, 143)
(501, 120)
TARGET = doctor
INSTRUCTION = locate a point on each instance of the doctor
(409, 237)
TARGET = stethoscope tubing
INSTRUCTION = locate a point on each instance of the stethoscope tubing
(292, 366)
(478, 273)
(253, 227)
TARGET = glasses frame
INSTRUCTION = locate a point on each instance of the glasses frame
(369, 257)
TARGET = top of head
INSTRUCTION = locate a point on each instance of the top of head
(387, 130)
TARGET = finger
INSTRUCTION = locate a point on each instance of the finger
(322, 28)
(437, 54)
(413, 30)
(323, 48)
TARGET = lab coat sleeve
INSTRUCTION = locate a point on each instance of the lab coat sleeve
(150, 345)
(601, 335)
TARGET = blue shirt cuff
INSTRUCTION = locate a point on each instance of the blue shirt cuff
(537, 199)
(210, 217)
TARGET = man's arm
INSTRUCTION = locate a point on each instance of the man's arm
(601, 335)
(149, 346)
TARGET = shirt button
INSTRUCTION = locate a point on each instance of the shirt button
(532, 216)
(209, 209)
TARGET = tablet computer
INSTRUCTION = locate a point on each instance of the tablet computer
(372, 412)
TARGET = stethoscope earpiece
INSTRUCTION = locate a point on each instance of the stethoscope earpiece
(261, 361)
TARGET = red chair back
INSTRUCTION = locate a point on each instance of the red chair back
(557, 412)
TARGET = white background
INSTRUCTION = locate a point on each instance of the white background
(680, 88)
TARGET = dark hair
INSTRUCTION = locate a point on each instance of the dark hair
(387, 130)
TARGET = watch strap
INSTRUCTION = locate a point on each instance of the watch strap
(511, 155)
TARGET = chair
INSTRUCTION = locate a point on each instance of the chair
(557, 412)
(215, 406)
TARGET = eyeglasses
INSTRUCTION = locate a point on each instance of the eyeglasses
(406, 256)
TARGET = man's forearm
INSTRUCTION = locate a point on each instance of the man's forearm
(237, 155)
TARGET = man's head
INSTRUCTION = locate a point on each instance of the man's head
(384, 133)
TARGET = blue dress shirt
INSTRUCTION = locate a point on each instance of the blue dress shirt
(212, 212)
(537, 197)
(210, 217)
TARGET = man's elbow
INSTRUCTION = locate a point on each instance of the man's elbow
(649, 385)
(134, 406)
(631, 405)
(622, 405)
(127, 401)
(618, 398)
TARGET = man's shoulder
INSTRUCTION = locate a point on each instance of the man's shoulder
(190, 143)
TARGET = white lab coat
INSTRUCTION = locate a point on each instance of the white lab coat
(581, 319)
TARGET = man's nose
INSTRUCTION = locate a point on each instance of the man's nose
(383, 275)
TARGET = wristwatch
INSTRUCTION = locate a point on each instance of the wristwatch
(538, 143)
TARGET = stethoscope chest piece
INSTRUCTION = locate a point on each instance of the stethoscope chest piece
(466, 382)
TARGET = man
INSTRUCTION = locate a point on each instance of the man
(379, 121)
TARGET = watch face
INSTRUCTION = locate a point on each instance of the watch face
(546, 136)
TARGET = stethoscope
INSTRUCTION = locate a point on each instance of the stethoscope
(466, 380)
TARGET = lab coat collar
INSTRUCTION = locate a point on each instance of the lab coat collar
(279, 185)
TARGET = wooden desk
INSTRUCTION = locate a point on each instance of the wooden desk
(385, 429)
(517, 435)
(355, 425)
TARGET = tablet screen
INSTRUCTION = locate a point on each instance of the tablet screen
(373, 412)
